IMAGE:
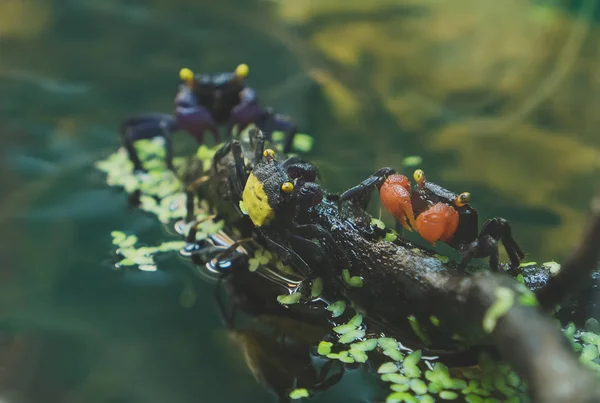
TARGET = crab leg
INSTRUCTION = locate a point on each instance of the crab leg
(361, 193)
(147, 127)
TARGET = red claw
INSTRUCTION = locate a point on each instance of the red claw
(439, 222)
(395, 197)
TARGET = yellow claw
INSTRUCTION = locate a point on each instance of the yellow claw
(241, 71)
(186, 75)
(256, 202)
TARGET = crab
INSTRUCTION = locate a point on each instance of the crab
(438, 214)
(206, 102)
(251, 185)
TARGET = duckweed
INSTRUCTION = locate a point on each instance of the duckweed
(443, 259)
(337, 308)
(448, 395)
(142, 256)
(398, 397)
(418, 386)
(298, 393)
(354, 281)
(351, 336)
(356, 320)
(317, 288)
(366, 345)
(358, 355)
(324, 348)
(390, 236)
(289, 299)
(377, 223)
(399, 387)
(345, 328)
(388, 368)
(261, 257)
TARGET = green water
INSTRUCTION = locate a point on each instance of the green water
(75, 330)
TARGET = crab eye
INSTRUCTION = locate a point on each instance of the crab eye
(419, 176)
(241, 71)
(186, 75)
(268, 153)
(462, 199)
(287, 187)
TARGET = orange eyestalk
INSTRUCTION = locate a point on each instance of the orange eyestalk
(395, 197)
(438, 223)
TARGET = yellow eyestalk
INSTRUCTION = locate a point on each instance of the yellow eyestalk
(241, 71)
(287, 187)
(186, 75)
(268, 153)
(463, 199)
(419, 176)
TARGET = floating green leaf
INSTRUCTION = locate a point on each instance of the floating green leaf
(354, 281)
(448, 395)
(366, 345)
(345, 328)
(337, 308)
(352, 335)
(317, 287)
(390, 236)
(377, 223)
(387, 368)
(290, 299)
(324, 348)
(358, 355)
(298, 393)
(443, 259)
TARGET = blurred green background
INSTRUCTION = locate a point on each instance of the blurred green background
(499, 98)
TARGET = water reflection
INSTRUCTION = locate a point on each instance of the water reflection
(499, 99)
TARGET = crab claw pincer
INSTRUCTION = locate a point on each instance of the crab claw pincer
(395, 197)
(439, 222)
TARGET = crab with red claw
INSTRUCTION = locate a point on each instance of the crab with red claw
(439, 214)
(204, 103)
